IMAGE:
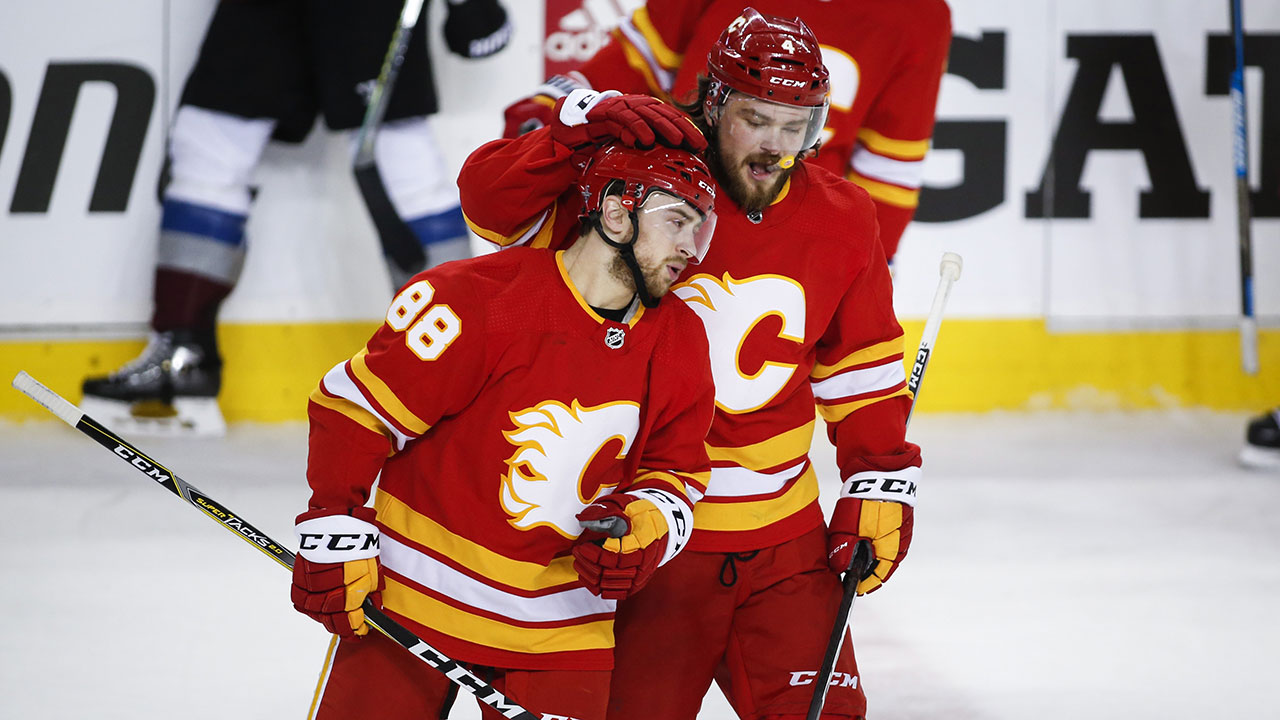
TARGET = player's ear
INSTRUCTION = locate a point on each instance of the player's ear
(615, 218)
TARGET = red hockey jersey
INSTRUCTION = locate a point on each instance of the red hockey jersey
(798, 312)
(886, 59)
(496, 405)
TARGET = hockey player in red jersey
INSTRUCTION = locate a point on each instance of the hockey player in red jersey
(507, 403)
(796, 298)
(885, 57)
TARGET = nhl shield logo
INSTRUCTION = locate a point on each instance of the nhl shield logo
(614, 337)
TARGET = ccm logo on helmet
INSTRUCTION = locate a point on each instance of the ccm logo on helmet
(785, 81)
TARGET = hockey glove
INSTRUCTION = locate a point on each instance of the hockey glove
(337, 568)
(876, 507)
(530, 113)
(476, 28)
(585, 118)
(617, 567)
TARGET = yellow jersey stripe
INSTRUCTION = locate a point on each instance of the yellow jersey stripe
(636, 61)
(668, 58)
(756, 514)
(879, 351)
(345, 407)
(385, 397)
(900, 149)
(886, 193)
(672, 482)
(477, 559)
(498, 238)
(769, 453)
(489, 632)
(836, 413)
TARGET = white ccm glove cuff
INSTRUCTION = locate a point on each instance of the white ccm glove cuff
(336, 539)
(579, 102)
(679, 520)
(893, 486)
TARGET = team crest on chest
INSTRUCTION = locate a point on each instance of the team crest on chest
(546, 483)
(614, 337)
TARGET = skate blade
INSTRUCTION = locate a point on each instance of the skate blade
(186, 417)
(1260, 458)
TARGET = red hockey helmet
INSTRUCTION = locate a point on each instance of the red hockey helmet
(773, 59)
(677, 173)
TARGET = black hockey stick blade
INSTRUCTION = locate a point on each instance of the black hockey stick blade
(166, 478)
(859, 564)
(397, 240)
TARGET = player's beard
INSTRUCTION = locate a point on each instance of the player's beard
(749, 196)
(655, 276)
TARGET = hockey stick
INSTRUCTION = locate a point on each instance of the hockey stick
(1240, 158)
(862, 553)
(167, 479)
(398, 241)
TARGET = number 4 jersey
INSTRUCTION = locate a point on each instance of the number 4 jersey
(496, 405)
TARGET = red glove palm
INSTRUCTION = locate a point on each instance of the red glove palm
(617, 567)
(585, 118)
(337, 568)
(875, 507)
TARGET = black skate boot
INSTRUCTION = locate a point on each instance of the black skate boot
(1262, 442)
(171, 388)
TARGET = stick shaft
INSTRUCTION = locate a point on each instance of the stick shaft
(1244, 212)
(169, 480)
(950, 272)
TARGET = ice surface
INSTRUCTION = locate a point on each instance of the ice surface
(1109, 565)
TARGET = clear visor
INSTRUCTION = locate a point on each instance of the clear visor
(773, 127)
(669, 219)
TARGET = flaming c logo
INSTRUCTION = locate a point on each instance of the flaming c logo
(555, 444)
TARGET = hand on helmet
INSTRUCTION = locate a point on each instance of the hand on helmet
(585, 118)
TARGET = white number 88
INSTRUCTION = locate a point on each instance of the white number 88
(432, 334)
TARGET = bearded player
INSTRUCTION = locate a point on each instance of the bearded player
(796, 298)
(885, 57)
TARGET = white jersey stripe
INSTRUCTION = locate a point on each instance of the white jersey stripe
(906, 173)
(741, 482)
(858, 382)
(431, 573)
(336, 382)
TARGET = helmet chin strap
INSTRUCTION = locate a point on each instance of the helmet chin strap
(627, 251)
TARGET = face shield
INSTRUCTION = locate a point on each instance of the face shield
(774, 127)
(669, 219)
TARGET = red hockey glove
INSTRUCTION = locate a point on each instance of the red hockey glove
(585, 119)
(337, 568)
(877, 507)
(538, 110)
(476, 28)
(617, 567)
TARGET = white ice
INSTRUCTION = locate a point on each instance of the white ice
(1065, 566)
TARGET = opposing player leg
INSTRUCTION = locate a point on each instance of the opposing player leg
(670, 637)
(349, 51)
(422, 190)
(249, 82)
(780, 633)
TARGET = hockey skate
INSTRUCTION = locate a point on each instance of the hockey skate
(170, 389)
(1262, 442)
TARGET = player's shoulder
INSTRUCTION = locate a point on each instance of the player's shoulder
(832, 201)
(487, 276)
(825, 186)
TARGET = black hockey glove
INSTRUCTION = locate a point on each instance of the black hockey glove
(476, 28)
